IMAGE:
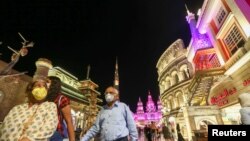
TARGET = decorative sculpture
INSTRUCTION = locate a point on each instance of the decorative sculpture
(5, 72)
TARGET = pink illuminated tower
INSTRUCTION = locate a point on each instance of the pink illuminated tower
(140, 111)
(205, 56)
(152, 113)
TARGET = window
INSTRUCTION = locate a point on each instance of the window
(176, 78)
(234, 39)
(214, 61)
(180, 99)
(172, 103)
(220, 15)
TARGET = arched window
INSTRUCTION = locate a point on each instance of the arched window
(183, 70)
(175, 78)
(180, 99)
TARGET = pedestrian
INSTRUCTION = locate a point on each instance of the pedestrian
(34, 120)
(65, 128)
(153, 130)
(166, 133)
(244, 100)
(148, 132)
(174, 134)
(114, 122)
(179, 135)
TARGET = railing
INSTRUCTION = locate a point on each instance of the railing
(194, 84)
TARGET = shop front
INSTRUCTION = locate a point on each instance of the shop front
(225, 93)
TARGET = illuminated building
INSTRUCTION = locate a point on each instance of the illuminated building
(88, 88)
(175, 73)
(152, 113)
(227, 24)
(218, 59)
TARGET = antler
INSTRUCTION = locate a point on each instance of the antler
(26, 43)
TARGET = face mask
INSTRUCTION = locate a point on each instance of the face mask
(109, 97)
(39, 93)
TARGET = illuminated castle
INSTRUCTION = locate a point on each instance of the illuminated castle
(152, 113)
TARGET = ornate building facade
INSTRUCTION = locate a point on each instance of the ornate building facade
(83, 97)
(229, 31)
(216, 63)
(152, 113)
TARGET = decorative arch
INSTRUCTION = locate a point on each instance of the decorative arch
(168, 82)
(162, 86)
(183, 71)
(171, 102)
(175, 77)
(180, 99)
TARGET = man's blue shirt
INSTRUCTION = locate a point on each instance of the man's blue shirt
(113, 123)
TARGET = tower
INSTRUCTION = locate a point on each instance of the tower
(116, 75)
(89, 90)
(140, 110)
(150, 104)
(204, 53)
(200, 41)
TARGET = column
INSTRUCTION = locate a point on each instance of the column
(188, 127)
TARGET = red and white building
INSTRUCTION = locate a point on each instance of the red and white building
(219, 72)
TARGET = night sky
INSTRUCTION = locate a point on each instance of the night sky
(76, 33)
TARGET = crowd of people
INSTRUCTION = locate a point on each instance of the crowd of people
(159, 133)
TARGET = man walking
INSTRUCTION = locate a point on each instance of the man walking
(114, 122)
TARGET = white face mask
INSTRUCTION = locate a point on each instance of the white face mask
(109, 97)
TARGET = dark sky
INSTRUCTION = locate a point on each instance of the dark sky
(76, 33)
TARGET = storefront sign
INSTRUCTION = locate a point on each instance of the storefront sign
(222, 98)
(246, 82)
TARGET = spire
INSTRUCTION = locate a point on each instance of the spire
(187, 10)
(150, 103)
(140, 110)
(88, 71)
(199, 40)
(190, 16)
(192, 23)
(116, 75)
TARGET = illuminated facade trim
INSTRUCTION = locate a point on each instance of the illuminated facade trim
(65, 77)
(175, 50)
